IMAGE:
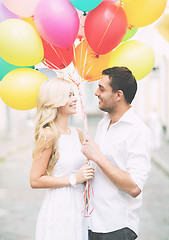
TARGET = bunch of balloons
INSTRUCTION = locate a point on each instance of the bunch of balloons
(94, 35)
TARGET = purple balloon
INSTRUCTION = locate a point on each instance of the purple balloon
(57, 22)
(5, 13)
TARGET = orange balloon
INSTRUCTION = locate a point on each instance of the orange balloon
(88, 64)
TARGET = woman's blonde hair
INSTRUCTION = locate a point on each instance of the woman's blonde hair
(53, 94)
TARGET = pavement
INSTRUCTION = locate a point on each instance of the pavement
(19, 204)
(160, 156)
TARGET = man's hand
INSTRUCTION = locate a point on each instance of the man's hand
(91, 150)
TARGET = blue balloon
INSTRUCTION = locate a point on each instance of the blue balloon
(6, 67)
(85, 5)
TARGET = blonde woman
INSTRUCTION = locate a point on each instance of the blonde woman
(58, 164)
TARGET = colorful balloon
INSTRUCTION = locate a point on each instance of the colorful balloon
(24, 8)
(5, 13)
(30, 21)
(85, 5)
(110, 0)
(105, 27)
(7, 67)
(130, 33)
(88, 64)
(141, 13)
(127, 0)
(19, 88)
(57, 22)
(49, 73)
(135, 55)
(57, 58)
(20, 44)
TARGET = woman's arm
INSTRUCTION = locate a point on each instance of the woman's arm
(38, 178)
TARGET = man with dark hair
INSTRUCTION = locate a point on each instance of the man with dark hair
(121, 154)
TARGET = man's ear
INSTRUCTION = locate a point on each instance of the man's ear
(120, 95)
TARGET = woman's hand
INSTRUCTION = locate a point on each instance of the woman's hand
(86, 172)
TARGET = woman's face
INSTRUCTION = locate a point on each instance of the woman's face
(70, 107)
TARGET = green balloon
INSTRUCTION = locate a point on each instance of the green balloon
(130, 33)
(6, 67)
(85, 5)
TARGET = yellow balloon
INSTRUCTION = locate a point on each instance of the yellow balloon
(127, 0)
(20, 43)
(141, 13)
(19, 88)
(135, 55)
(88, 64)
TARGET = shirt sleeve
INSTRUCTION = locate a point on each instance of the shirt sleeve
(139, 151)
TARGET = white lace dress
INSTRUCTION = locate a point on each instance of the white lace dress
(61, 216)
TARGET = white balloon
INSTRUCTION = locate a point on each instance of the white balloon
(49, 73)
(24, 8)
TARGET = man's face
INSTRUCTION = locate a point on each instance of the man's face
(107, 98)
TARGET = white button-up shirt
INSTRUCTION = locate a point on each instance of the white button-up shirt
(127, 144)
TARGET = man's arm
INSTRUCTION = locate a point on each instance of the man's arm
(121, 179)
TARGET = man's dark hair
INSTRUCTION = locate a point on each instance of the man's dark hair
(122, 79)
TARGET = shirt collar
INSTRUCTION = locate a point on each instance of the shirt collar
(128, 116)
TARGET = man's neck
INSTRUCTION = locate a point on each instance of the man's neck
(115, 116)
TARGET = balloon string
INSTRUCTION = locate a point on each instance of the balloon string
(94, 79)
(85, 60)
(60, 56)
(87, 186)
(83, 111)
(87, 199)
(46, 63)
(107, 28)
(95, 56)
(86, 64)
(70, 77)
(81, 53)
(74, 55)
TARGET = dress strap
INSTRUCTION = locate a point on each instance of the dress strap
(80, 135)
(77, 132)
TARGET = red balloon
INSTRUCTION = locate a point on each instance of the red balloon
(105, 27)
(55, 57)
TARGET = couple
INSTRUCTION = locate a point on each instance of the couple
(121, 155)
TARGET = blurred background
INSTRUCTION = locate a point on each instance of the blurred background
(19, 204)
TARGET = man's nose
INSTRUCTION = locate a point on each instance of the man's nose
(96, 93)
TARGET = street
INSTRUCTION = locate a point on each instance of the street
(19, 204)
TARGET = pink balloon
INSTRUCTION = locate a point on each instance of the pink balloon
(5, 13)
(57, 22)
(110, 0)
(23, 8)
